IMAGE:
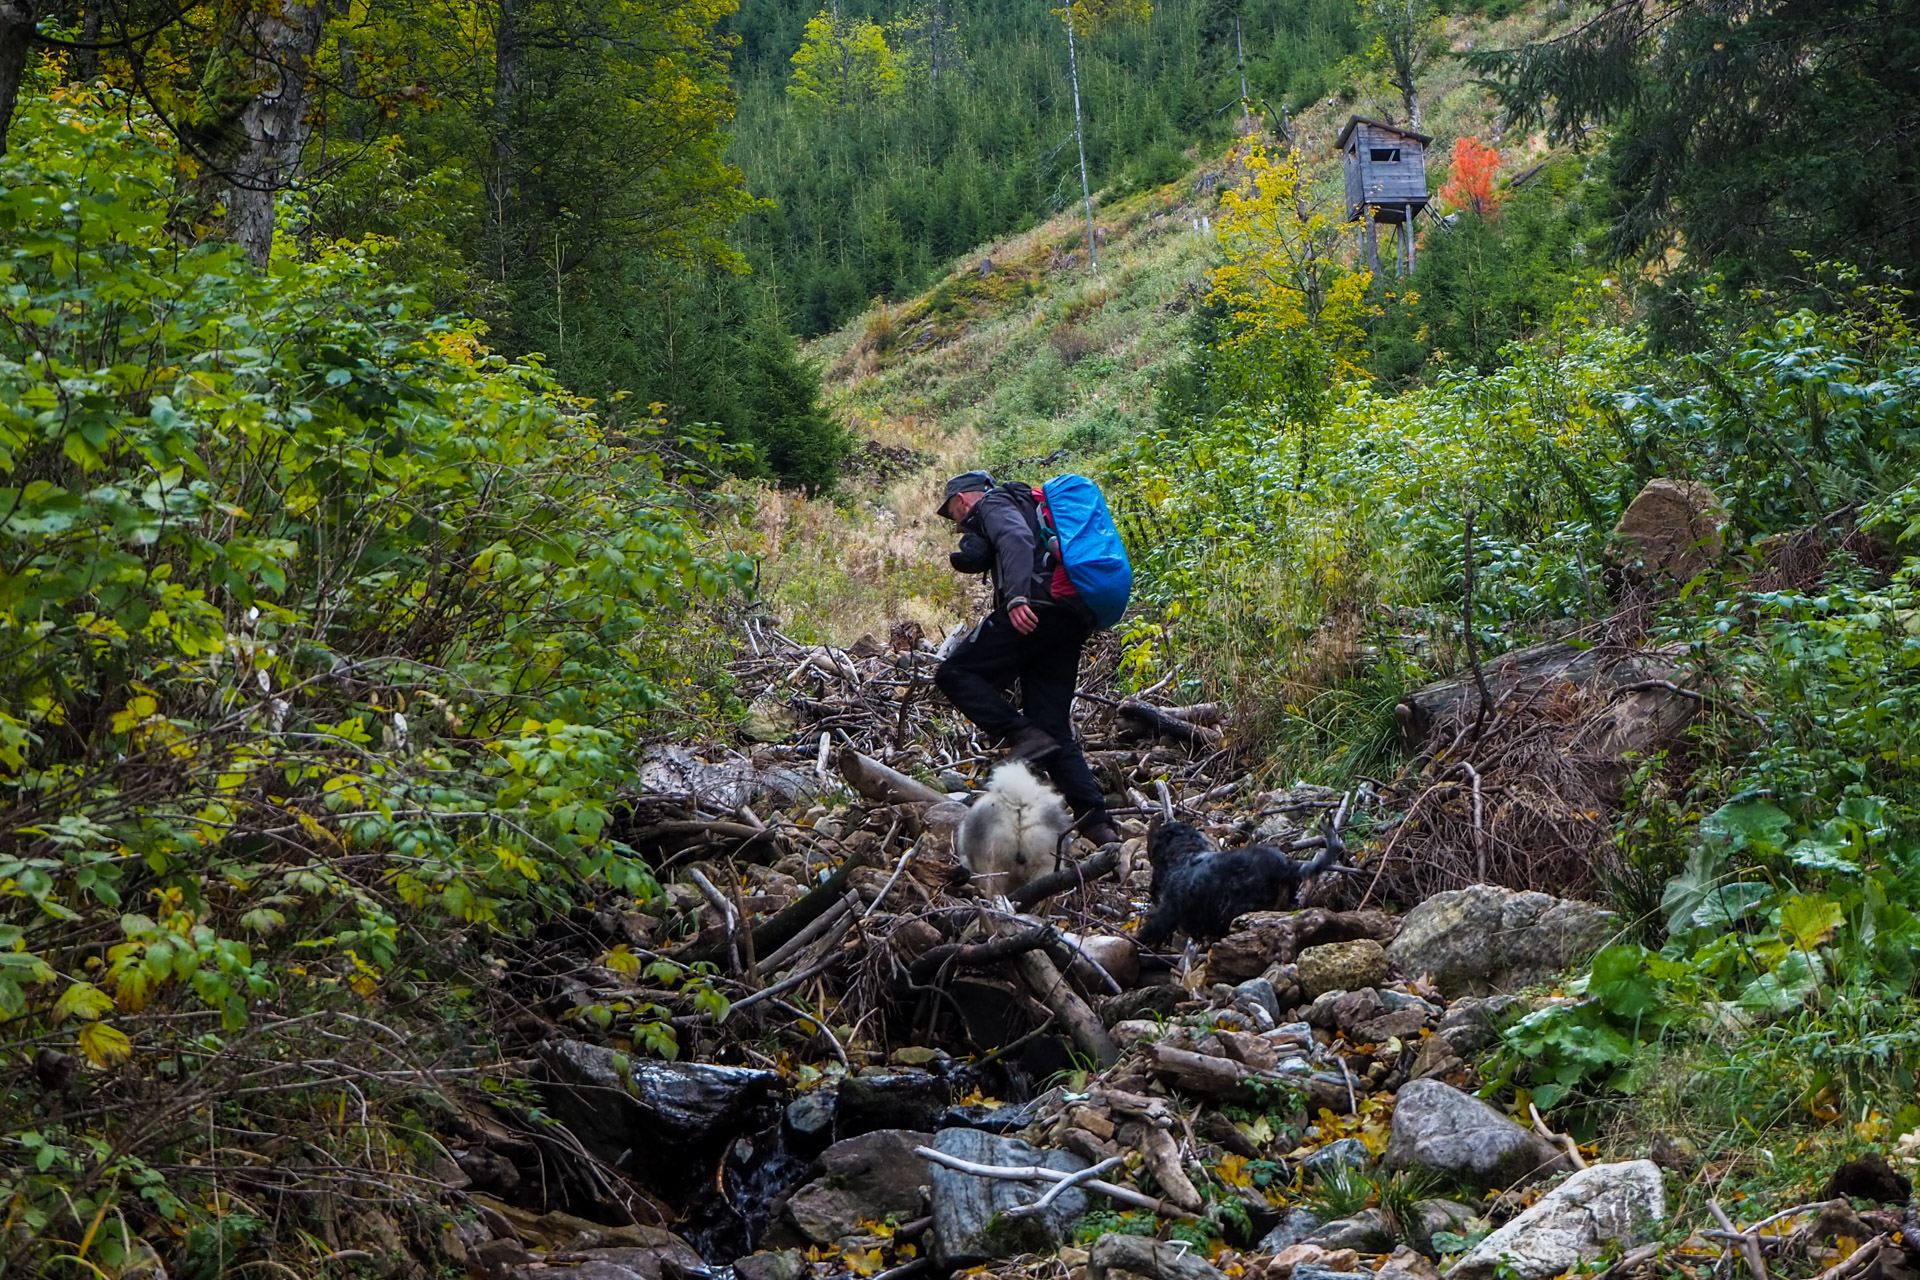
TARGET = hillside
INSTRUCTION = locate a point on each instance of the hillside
(484, 793)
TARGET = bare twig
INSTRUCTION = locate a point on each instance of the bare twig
(1039, 1173)
(1473, 652)
(1749, 1246)
(1564, 1141)
(1089, 1174)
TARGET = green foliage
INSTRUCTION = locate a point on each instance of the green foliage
(1485, 281)
(1740, 134)
(327, 635)
(888, 199)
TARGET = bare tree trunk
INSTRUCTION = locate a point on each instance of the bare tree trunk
(1240, 52)
(274, 123)
(19, 23)
(1080, 137)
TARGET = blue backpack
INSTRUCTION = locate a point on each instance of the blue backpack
(1089, 546)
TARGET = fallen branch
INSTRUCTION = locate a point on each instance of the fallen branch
(1071, 876)
(1089, 1034)
(1160, 721)
(978, 955)
(1563, 1141)
(1089, 1174)
(1749, 1246)
(877, 782)
(1856, 1260)
(729, 918)
(778, 930)
(799, 942)
(1644, 1254)
(1040, 1173)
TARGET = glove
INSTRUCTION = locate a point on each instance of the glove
(974, 556)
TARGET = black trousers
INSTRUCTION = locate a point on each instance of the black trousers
(1046, 664)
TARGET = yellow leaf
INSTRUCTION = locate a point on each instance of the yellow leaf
(104, 1045)
(84, 1001)
(864, 1264)
(621, 960)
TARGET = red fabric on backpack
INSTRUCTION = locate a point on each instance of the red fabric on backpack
(1061, 586)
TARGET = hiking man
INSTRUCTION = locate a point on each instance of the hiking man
(1034, 635)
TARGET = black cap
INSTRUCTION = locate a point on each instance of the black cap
(965, 482)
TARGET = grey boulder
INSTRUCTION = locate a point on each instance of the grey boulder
(1296, 1225)
(1438, 1129)
(1484, 939)
(864, 1178)
(783, 1264)
(1574, 1223)
(630, 1111)
(968, 1226)
(1154, 1259)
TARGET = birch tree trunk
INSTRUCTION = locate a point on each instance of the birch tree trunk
(1080, 138)
(274, 125)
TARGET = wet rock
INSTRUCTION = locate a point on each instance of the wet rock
(1368, 1231)
(1141, 1002)
(809, 1117)
(1584, 1217)
(893, 1100)
(1294, 1226)
(1484, 939)
(782, 1264)
(863, 1178)
(1438, 1129)
(1342, 966)
(1315, 1271)
(1000, 1119)
(1154, 1259)
(967, 1226)
(1673, 528)
(1347, 1153)
(692, 1108)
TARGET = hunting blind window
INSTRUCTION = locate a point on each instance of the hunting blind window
(1385, 155)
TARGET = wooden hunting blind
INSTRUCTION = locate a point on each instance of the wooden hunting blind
(1386, 171)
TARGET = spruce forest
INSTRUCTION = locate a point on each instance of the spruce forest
(493, 776)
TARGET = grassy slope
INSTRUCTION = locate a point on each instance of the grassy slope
(1003, 368)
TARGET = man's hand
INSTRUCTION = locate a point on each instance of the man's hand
(1023, 619)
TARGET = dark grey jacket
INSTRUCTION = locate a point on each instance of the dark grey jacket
(1022, 570)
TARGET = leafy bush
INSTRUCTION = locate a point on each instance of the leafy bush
(326, 640)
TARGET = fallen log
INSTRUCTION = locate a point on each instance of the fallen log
(979, 955)
(1231, 1081)
(1083, 1026)
(1168, 722)
(876, 781)
(1065, 878)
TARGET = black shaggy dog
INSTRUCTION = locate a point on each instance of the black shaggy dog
(1198, 890)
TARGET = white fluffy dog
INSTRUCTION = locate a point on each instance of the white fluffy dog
(1011, 835)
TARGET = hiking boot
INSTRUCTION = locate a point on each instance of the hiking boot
(1032, 743)
(1102, 833)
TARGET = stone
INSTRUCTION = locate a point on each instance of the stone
(1347, 1153)
(1472, 1024)
(668, 1258)
(1345, 1010)
(1673, 527)
(1869, 1177)
(1262, 939)
(1436, 1058)
(863, 1178)
(1310, 1255)
(1342, 966)
(1141, 1003)
(782, 1264)
(1402, 1024)
(890, 1100)
(1294, 1226)
(1616, 1207)
(1154, 1259)
(967, 1226)
(1132, 1031)
(1406, 1264)
(1446, 1215)
(810, 1116)
(1438, 1129)
(691, 1108)
(1484, 939)
(1314, 1271)
(1368, 1231)
(1258, 993)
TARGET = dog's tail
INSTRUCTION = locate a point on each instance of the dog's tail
(1334, 850)
(1014, 783)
